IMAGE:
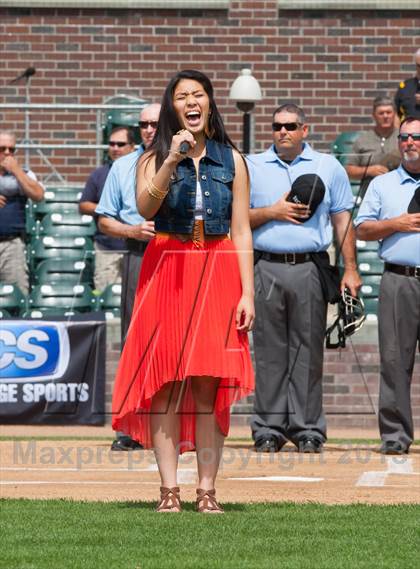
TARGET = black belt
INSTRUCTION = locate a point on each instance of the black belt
(136, 246)
(405, 270)
(290, 258)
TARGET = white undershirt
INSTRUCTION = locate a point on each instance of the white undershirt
(199, 210)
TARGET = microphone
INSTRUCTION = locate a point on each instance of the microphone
(184, 147)
(25, 75)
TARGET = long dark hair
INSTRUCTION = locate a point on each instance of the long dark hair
(168, 124)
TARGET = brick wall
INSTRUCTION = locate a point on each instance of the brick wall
(350, 382)
(331, 62)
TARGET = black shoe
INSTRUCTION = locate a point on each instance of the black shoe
(267, 444)
(310, 444)
(393, 447)
(125, 443)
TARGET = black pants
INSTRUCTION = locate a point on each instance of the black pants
(129, 279)
(288, 342)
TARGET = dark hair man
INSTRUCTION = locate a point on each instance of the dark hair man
(290, 307)
(108, 250)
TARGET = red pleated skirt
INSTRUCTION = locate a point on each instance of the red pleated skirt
(183, 326)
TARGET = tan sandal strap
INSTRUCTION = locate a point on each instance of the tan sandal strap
(206, 501)
(169, 498)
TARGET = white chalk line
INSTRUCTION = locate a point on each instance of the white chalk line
(74, 482)
(185, 475)
(279, 479)
(151, 468)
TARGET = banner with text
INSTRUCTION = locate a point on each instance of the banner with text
(53, 372)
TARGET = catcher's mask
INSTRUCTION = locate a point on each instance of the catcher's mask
(350, 318)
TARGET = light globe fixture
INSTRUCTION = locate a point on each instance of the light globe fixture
(245, 92)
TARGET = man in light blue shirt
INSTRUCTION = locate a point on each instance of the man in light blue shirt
(390, 213)
(118, 217)
(290, 306)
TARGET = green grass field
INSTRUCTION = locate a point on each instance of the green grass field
(60, 534)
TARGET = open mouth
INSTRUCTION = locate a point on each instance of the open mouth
(193, 118)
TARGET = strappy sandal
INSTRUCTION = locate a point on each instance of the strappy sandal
(169, 500)
(206, 502)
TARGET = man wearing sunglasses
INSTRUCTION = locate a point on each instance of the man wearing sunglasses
(108, 250)
(16, 186)
(290, 306)
(407, 97)
(119, 218)
(390, 213)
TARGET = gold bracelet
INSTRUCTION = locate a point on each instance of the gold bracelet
(154, 194)
(153, 191)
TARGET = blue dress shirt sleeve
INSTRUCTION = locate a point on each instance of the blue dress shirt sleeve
(110, 203)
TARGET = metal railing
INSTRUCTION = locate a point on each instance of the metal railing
(28, 144)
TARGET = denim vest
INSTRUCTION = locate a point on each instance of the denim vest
(216, 173)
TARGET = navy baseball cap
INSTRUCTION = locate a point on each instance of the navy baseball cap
(414, 205)
(309, 190)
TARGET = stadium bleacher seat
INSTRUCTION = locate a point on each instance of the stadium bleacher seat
(42, 209)
(371, 308)
(67, 223)
(123, 117)
(57, 200)
(4, 314)
(12, 299)
(370, 286)
(59, 247)
(109, 301)
(342, 145)
(55, 271)
(41, 313)
(369, 263)
(367, 245)
(54, 299)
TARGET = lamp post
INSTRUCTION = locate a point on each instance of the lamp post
(245, 91)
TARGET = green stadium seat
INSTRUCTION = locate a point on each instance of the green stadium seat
(50, 297)
(370, 286)
(123, 117)
(371, 309)
(4, 314)
(67, 223)
(59, 247)
(370, 263)
(30, 219)
(12, 299)
(42, 209)
(343, 144)
(74, 191)
(57, 201)
(109, 301)
(40, 313)
(63, 271)
(363, 246)
(355, 187)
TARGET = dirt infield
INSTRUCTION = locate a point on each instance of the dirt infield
(87, 470)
